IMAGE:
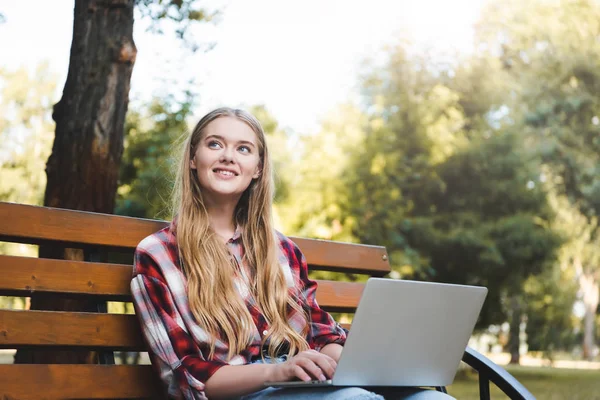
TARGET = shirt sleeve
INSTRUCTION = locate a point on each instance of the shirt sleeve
(174, 353)
(323, 328)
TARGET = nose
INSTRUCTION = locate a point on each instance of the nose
(227, 155)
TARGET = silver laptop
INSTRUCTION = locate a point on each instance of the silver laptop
(406, 333)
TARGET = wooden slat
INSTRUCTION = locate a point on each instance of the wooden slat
(33, 224)
(20, 328)
(38, 225)
(61, 329)
(77, 382)
(344, 257)
(121, 332)
(29, 275)
(24, 276)
(339, 296)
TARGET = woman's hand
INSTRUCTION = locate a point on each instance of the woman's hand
(307, 365)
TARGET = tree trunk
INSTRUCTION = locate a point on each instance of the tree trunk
(514, 340)
(591, 298)
(84, 165)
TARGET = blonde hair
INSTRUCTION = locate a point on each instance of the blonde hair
(214, 301)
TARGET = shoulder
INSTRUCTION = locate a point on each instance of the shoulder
(290, 249)
(285, 242)
(157, 241)
(155, 251)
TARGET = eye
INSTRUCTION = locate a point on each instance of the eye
(213, 144)
(244, 149)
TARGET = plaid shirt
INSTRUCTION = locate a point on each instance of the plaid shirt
(178, 346)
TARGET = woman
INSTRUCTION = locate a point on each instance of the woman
(224, 300)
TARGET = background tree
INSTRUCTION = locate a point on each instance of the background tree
(280, 146)
(556, 62)
(550, 296)
(317, 183)
(407, 109)
(447, 185)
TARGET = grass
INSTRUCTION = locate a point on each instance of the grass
(544, 383)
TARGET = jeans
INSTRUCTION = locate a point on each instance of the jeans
(343, 393)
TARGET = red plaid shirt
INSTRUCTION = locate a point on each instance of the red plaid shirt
(178, 346)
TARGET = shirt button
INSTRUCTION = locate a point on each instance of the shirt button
(265, 332)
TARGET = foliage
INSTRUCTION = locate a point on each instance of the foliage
(407, 110)
(27, 132)
(318, 164)
(549, 301)
(487, 224)
(452, 193)
(556, 64)
(180, 15)
(279, 147)
(149, 159)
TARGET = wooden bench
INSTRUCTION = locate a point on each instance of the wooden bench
(105, 333)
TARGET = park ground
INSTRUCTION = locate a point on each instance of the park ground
(566, 380)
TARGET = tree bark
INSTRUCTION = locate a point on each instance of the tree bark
(84, 165)
(514, 340)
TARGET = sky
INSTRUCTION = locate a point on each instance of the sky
(298, 58)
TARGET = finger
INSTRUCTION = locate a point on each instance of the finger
(301, 374)
(315, 355)
(323, 361)
(327, 365)
(312, 368)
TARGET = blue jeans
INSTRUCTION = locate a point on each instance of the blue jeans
(343, 393)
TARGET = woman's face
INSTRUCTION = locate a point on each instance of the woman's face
(226, 159)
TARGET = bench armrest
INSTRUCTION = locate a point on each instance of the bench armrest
(489, 371)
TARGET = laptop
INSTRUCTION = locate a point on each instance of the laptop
(405, 333)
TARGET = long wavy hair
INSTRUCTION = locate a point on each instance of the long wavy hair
(214, 300)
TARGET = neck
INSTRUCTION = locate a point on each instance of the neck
(221, 217)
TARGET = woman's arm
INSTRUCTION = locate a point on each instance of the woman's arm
(173, 351)
(333, 350)
(238, 380)
(175, 354)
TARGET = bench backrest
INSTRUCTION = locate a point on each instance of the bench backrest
(93, 279)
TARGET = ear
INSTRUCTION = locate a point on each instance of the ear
(257, 173)
(193, 163)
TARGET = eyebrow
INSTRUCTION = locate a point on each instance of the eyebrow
(246, 142)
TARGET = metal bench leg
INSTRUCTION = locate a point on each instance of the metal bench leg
(484, 387)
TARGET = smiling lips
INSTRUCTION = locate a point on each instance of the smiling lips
(225, 173)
